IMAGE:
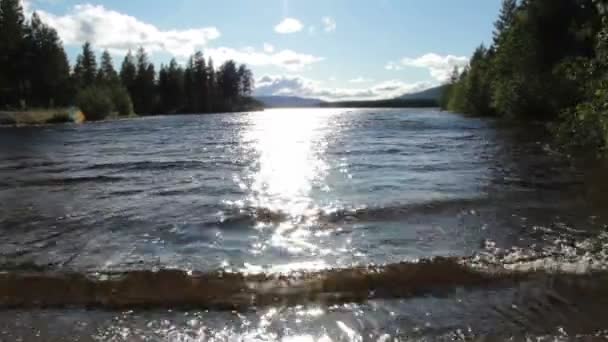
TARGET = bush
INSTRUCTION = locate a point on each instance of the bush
(95, 102)
(121, 100)
(585, 126)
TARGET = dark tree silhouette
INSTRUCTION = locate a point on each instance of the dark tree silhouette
(107, 73)
(12, 53)
(35, 72)
(48, 66)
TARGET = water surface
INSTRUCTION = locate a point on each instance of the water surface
(265, 196)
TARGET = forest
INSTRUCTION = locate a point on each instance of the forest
(547, 63)
(35, 73)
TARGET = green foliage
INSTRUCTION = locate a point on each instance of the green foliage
(49, 69)
(12, 53)
(107, 74)
(128, 73)
(546, 63)
(121, 100)
(143, 91)
(35, 72)
(585, 126)
(85, 70)
(171, 88)
(95, 102)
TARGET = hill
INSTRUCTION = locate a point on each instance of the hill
(430, 94)
(288, 102)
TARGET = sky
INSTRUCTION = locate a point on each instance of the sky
(327, 49)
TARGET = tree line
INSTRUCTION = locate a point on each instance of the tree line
(35, 73)
(547, 62)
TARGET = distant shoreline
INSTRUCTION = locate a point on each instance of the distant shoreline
(37, 117)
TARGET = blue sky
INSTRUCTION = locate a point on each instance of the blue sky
(332, 49)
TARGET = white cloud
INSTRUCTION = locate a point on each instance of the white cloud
(361, 80)
(285, 59)
(329, 24)
(393, 66)
(439, 66)
(268, 48)
(118, 32)
(304, 87)
(289, 25)
(27, 7)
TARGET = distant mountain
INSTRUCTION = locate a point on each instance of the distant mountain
(288, 102)
(430, 94)
(390, 103)
(426, 98)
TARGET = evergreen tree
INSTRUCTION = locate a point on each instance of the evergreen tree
(189, 93)
(212, 86)
(505, 21)
(106, 73)
(478, 84)
(85, 70)
(229, 82)
(128, 73)
(144, 96)
(48, 66)
(171, 88)
(12, 57)
(245, 81)
(199, 83)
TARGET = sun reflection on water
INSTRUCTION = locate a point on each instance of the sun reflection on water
(289, 174)
(290, 145)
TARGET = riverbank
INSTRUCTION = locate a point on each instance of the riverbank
(40, 117)
(35, 117)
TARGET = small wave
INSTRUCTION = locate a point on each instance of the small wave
(236, 291)
(402, 211)
(68, 181)
(253, 215)
(28, 165)
(150, 165)
(582, 265)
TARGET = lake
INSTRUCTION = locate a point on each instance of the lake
(299, 225)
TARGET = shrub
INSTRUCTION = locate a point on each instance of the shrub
(121, 100)
(585, 126)
(95, 102)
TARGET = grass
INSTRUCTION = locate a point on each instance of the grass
(32, 117)
(35, 117)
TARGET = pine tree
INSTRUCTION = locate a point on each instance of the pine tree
(85, 70)
(107, 74)
(228, 82)
(189, 93)
(245, 81)
(199, 82)
(171, 88)
(505, 21)
(212, 86)
(12, 58)
(144, 96)
(128, 73)
(48, 66)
